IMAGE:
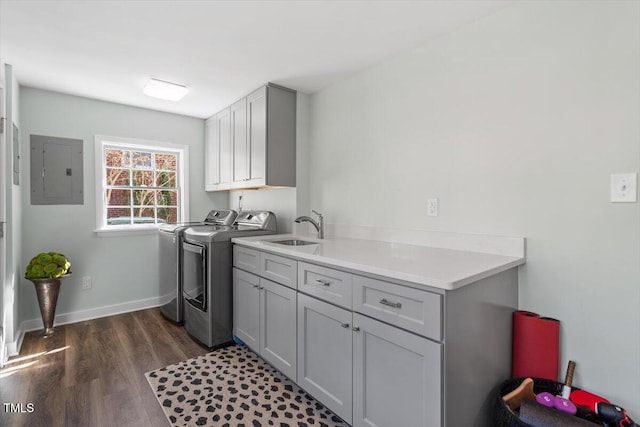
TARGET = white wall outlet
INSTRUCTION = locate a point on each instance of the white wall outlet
(624, 187)
(432, 207)
(86, 282)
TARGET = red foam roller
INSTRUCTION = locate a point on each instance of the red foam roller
(536, 346)
(584, 398)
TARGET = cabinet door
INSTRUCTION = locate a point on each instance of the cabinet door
(325, 354)
(257, 136)
(223, 127)
(246, 308)
(397, 377)
(212, 157)
(239, 170)
(278, 326)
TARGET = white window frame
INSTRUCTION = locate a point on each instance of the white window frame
(102, 141)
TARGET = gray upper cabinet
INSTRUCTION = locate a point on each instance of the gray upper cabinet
(262, 141)
(257, 137)
(218, 152)
(239, 160)
(212, 155)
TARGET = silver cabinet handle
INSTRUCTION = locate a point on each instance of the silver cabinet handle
(322, 282)
(386, 302)
(260, 287)
(355, 329)
(256, 286)
(345, 325)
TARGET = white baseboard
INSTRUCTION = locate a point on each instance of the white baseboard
(13, 348)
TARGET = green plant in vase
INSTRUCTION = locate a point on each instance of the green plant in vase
(46, 270)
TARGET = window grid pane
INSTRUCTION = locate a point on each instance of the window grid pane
(166, 161)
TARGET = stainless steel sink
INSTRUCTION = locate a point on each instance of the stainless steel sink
(293, 242)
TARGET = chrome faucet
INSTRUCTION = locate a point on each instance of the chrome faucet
(318, 225)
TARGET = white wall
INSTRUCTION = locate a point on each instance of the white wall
(123, 269)
(281, 201)
(515, 123)
(11, 205)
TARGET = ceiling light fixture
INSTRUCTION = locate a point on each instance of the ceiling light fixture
(165, 90)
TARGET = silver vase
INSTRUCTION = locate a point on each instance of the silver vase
(47, 291)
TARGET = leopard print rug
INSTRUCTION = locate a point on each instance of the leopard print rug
(234, 387)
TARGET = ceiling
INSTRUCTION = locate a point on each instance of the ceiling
(221, 50)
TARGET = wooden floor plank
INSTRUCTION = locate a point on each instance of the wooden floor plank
(91, 373)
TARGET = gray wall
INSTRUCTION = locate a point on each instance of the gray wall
(123, 269)
(515, 123)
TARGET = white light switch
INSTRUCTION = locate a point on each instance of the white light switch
(624, 187)
(432, 207)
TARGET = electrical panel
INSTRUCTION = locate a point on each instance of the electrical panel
(56, 171)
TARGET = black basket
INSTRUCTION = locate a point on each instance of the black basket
(505, 417)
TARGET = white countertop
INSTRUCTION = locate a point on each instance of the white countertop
(435, 267)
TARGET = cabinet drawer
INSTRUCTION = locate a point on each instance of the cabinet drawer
(279, 269)
(325, 283)
(246, 259)
(411, 309)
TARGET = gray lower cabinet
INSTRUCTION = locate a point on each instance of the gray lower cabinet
(367, 372)
(376, 352)
(325, 354)
(264, 317)
(396, 377)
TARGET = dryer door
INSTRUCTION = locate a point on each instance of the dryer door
(194, 275)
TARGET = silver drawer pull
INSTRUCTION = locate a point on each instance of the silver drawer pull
(356, 329)
(385, 301)
(256, 286)
(322, 282)
(345, 325)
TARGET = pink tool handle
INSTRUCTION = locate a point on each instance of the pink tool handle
(564, 405)
(545, 399)
(561, 404)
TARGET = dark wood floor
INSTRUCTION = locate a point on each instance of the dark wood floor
(92, 373)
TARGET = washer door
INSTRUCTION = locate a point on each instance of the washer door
(194, 275)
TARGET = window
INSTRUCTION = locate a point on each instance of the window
(139, 184)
